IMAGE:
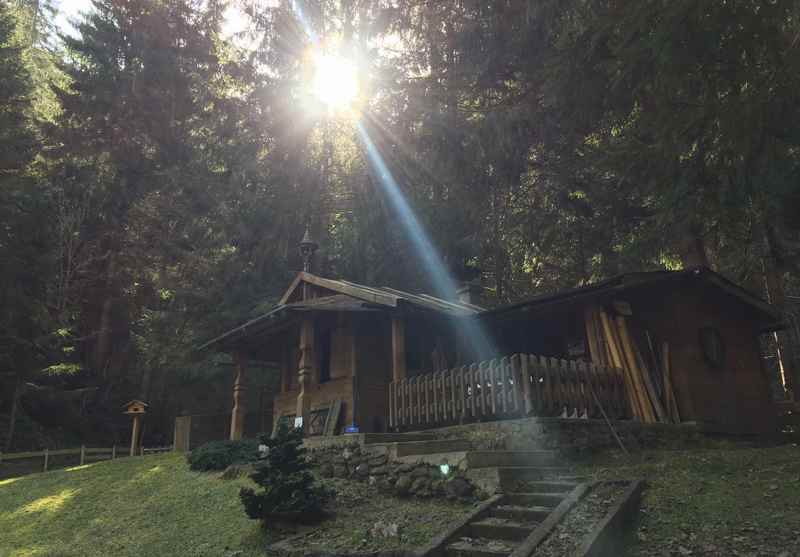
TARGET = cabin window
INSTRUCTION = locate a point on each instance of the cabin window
(325, 356)
(713, 347)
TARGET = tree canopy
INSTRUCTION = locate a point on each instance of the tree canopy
(158, 171)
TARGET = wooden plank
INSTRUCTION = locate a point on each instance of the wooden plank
(526, 384)
(673, 407)
(332, 419)
(493, 391)
(617, 360)
(516, 374)
(638, 377)
(661, 414)
(435, 379)
(537, 374)
(391, 405)
(453, 409)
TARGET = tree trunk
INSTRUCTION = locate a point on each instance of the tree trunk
(774, 272)
(12, 418)
(693, 249)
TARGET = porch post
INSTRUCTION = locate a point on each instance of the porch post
(398, 349)
(306, 371)
(238, 412)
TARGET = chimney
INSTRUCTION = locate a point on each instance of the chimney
(470, 293)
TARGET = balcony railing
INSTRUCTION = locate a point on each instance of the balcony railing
(508, 387)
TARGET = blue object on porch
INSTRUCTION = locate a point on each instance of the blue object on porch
(351, 429)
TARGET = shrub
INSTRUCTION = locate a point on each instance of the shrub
(218, 455)
(289, 490)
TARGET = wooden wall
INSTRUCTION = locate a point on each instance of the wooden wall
(373, 356)
(733, 398)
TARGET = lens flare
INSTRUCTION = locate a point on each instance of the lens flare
(334, 81)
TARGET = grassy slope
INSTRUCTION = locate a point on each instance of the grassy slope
(715, 502)
(145, 506)
(154, 506)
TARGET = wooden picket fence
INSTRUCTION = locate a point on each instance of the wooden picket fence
(508, 387)
(85, 455)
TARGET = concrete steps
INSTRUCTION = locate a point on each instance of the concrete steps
(500, 529)
(375, 438)
(489, 459)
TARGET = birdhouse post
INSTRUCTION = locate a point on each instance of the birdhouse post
(136, 409)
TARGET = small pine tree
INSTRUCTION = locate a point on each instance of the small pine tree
(286, 479)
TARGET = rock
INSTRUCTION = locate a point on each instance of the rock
(347, 454)
(372, 480)
(406, 468)
(420, 471)
(327, 470)
(379, 460)
(458, 487)
(340, 471)
(403, 485)
(420, 485)
(362, 471)
(385, 530)
(380, 470)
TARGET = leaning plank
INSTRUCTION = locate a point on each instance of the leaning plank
(619, 363)
(651, 405)
(332, 419)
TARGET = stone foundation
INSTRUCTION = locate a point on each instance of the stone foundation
(402, 479)
(570, 436)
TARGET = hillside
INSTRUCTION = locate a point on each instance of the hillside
(155, 506)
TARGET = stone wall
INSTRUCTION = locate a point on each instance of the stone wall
(570, 436)
(401, 479)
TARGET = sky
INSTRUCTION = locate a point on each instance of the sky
(71, 9)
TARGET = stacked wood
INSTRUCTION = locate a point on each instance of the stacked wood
(610, 344)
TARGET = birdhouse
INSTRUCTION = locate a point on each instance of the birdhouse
(135, 407)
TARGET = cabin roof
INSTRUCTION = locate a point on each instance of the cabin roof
(772, 318)
(348, 296)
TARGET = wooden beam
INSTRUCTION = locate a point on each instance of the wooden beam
(238, 412)
(399, 370)
(305, 372)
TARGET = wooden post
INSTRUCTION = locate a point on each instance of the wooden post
(238, 411)
(306, 371)
(46, 458)
(137, 426)
(113, 451)
(83, 454)
(399, 370)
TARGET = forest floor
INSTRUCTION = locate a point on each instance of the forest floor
(731, 502)
(154, 506)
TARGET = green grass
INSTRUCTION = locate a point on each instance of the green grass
(714, 501)
(143, 506)
(155, 506)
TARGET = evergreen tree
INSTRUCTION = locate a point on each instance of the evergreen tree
(287, 485)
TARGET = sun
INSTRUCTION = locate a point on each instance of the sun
(334, 81)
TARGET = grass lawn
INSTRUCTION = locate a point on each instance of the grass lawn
(154, 506)
(731, 502)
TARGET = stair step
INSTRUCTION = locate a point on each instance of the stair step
(487, 459)
(550, 487)
(501, 529)
(535, 513)
(373, 438)
(530, 499)
(480, 547)
(508, 474)
(436, 446)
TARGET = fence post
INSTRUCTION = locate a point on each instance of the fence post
(83, 454)
(113, 452)
(46, 458)
(141, 450)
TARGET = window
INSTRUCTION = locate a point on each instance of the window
(325, 356)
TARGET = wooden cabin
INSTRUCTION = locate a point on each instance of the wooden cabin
(657, 347)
